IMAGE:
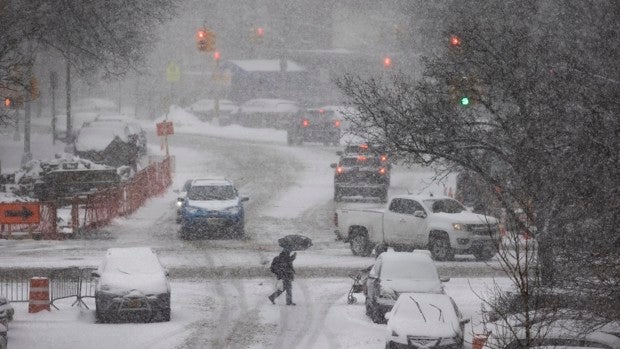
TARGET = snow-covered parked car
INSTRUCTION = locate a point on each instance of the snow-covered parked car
(399, 272)
(131, 283)
(205, 110)
(6, 311)
(267, 113)
(212, 206)
(421, 320)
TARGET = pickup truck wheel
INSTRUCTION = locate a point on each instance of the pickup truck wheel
(360, 245)
(440, 249)
(483, 254)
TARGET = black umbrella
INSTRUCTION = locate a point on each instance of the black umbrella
(295, 242)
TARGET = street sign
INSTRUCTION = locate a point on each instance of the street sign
(165, 128)
(173, 73)
(20, 213)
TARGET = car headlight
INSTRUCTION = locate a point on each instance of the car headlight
(388, 293)
(179, 203)
(457, 226)
(233, 210)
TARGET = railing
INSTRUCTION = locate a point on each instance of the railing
(64, 283)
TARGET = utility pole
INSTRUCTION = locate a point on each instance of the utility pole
(53, 85)
(68, 136)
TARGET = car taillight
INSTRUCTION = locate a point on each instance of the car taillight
(363, 146)
(384, 158)
(339, 170)
(336, 123)
(361, 158)
(305, 123)
(382, 171)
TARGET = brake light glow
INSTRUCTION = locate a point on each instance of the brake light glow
(384, 158)
(305, 123)
(364, 146)
(339, 170)
(361, 158)
(336, 123)
(382, 170)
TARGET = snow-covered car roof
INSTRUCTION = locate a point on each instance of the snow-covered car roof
(211, 181)
(411, 265)
(132, 269)
(271, 105)
(424, 314)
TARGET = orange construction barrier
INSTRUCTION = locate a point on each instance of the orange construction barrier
(478, 341)
(39, 295)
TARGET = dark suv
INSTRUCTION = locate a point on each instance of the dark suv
(314, 125)
(361, 175)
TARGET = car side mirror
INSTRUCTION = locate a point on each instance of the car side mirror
(419, 214)
(95, 274)
(167, 272)
(339, 153)
(245, 198)
(388, 315)
(444, 279)
(333, 165)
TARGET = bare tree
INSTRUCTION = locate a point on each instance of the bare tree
(541, 129)
(108, 37)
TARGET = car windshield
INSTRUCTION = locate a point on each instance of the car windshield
(211, 192)
(444, 205)
(408, 269)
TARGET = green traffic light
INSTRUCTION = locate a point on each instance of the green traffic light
(464, 101)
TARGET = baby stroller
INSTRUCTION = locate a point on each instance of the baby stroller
(357, 287)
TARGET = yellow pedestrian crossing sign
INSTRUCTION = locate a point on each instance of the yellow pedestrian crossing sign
(173, 73)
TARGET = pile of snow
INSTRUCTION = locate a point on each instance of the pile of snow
(34, 169)
(10, 197)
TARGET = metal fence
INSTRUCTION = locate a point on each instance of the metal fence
(64, 283)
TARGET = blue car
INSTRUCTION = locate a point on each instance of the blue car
(212, 207)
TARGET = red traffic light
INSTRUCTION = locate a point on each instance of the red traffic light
(8, 102)
(387, 62)
(455, 40)
(201, 34)
(217, 55)
(260, 32)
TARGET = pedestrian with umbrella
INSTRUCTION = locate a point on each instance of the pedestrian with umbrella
(282, 265)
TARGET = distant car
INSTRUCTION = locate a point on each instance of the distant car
(3, 336)
(421, 320)
(314, 125)
(131, 283)
(212, 206)
(181, 194)
(361, 175)
(267, 113)
(6, 311)
(557, 333)
(205, 110)
(399, 272)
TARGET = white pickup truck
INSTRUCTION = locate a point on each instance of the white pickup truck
(440, 224)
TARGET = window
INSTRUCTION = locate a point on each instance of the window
(396, 206)
(405, 206)
(212, 192)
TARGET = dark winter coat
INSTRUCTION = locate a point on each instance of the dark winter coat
(282, 265)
